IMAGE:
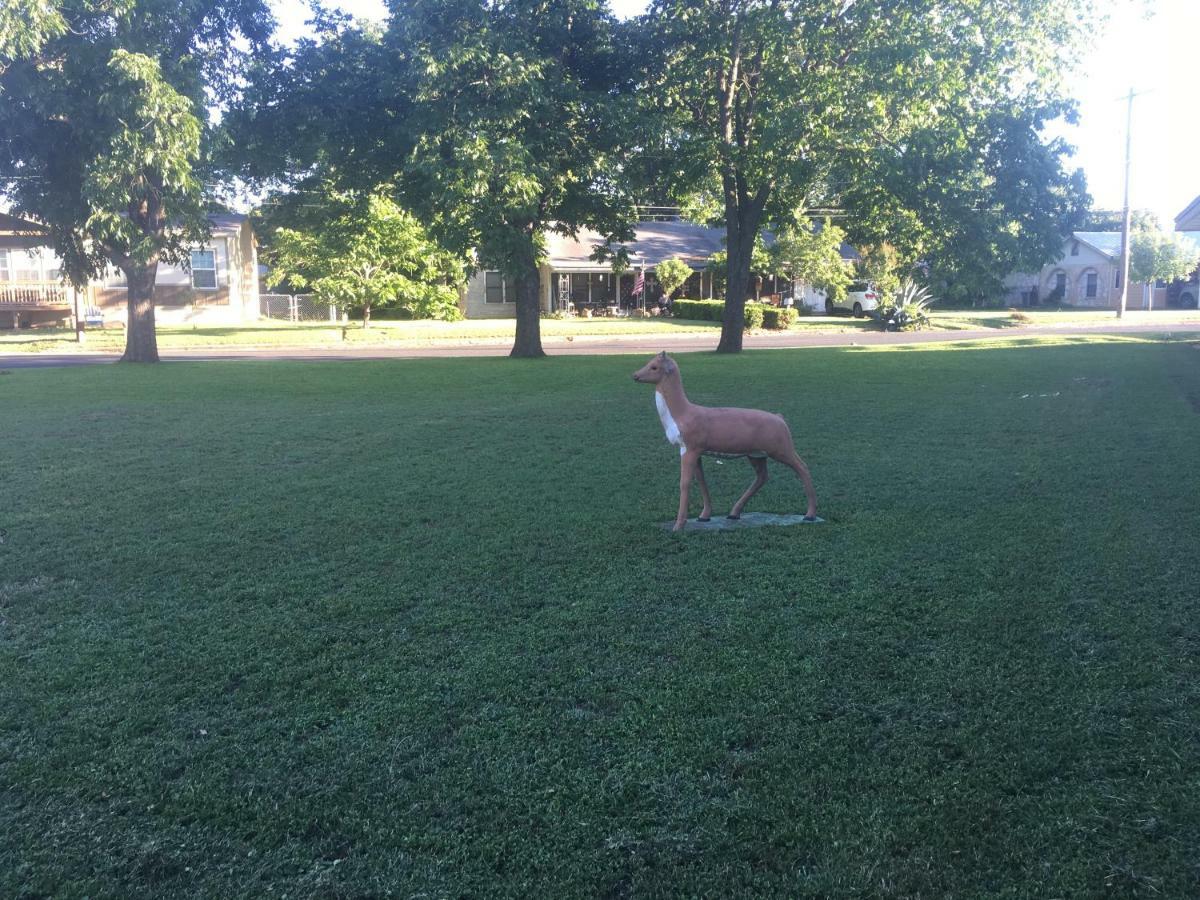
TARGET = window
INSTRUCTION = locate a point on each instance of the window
(5, 269)
(1075, 248)
(204, 269)
(495, 288)
(1090, 288)
(1117, 280)
(1060, 283)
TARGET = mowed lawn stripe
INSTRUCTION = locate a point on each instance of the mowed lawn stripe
(338, 629)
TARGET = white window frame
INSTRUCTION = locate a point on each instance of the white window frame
(1091, 285)
(504, 292)
(193, 269)
(5, 266)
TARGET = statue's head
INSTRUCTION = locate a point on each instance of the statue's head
(657, 369)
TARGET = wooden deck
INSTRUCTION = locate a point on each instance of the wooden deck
(34, 295)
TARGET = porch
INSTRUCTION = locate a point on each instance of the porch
(24, 304)
(599, 291)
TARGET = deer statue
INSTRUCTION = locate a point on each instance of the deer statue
(719, 431)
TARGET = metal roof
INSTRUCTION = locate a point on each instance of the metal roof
(653, 242)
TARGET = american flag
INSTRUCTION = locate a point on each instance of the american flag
(639, 283)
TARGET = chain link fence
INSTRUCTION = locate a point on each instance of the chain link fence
(295, 308)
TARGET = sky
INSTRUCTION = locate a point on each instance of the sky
(1151, 46)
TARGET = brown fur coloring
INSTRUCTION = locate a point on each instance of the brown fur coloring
(721, 431)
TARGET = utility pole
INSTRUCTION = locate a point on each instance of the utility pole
(1126, 216)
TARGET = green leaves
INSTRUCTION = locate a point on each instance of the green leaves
(363, 251)
(25, 26)
(672, 274)
(1155, 254)
(813, 255)
(144, 176)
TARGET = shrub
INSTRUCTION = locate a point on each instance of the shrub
(1019, 316)
(906, 310)
(704, 310)
(754, 315)
(778, 318)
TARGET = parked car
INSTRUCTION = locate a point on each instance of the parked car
(861, 297)
(1183, 294)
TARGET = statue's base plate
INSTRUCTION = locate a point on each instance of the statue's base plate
(748, 520)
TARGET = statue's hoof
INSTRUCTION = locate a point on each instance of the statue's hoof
(735, 518)
(810, 518)
(704, 519)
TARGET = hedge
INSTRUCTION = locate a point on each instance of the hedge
(757, 314)
(778, 318)
(704, 310)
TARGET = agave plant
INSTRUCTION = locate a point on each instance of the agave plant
(907, 309)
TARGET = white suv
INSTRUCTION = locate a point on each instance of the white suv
(861, 297)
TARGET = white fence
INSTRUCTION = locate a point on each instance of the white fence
(295, 308)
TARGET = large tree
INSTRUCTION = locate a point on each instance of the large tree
(495, 119)
(769, 102)
(514, 105)
(103, 109)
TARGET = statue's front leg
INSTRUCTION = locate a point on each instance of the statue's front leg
(706, 513)
(687, 470)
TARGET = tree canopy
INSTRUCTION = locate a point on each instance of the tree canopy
(496, 121)
(900, 112)
(363, 252)
(813, 253)
(672, 274)
(1158, 255)
(103, 107)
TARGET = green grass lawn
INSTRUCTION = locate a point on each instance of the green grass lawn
(265, 335)
(411, 628)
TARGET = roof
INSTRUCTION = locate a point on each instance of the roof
(1192, 213)
(1106, 242)
(14, 226)
(653, 243)
(226, 222)
(11, 225)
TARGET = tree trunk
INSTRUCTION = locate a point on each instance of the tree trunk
(141, 343)
(527, 284)
(367, 315)
(740, 244)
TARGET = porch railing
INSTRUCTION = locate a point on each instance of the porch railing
(34, 293)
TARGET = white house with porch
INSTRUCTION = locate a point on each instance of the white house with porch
(572, 280)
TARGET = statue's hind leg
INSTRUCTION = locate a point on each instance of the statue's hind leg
(760, 478)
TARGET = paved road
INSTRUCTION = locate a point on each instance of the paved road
(681, 343)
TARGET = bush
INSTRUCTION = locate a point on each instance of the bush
(778, 318)
(906, 310)
(704, 310)
(754, 316)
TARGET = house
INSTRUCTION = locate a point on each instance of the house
(571, 278)
(219, 287)
(1186, 292)
(1189, 219)
(1086, 273)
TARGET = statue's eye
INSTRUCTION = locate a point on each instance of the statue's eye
(653, 368)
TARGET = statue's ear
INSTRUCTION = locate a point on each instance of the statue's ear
(668, 366)
(663, 355)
